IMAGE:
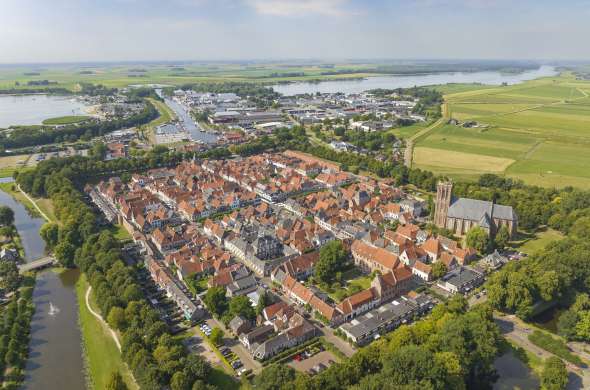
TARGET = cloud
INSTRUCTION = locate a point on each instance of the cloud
(301, 7)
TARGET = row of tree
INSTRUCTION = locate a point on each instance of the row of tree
(15, 325)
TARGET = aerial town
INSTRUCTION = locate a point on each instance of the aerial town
(294, 195)
(256, 227)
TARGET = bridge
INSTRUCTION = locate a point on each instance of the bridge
(36, 264)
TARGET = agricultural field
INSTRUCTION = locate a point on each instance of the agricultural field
(119, 76)
(538, 131)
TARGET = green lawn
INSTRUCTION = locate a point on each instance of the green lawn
(531, 243)
(120, 233)
(103, 356)
(66, 120)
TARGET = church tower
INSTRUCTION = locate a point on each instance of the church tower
(444, 192)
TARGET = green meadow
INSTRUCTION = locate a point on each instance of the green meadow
(543, 126)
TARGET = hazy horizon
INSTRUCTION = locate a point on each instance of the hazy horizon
(87, 31)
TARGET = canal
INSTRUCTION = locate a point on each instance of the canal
(55, 351)
(187, 122)
(27, 227)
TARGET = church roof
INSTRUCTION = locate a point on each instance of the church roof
(476, 210)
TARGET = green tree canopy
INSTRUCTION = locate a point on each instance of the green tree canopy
(332, 259)
(554, 376)
(478, 239)
(6, 216)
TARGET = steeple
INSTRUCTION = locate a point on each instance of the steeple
(444, 193)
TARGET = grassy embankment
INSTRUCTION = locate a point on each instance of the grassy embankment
(535, 131)
(66, 120)
(102, 355)
(44, 204)
(166, 115)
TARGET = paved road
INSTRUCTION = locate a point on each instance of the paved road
(516, 331)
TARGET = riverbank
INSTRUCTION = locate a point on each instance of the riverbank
(102, 355)
(38, 207)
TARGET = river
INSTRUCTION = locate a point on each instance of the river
(188, 122)
(55, 351)
(34, 109)
(408, 81)
(27, 227)
(56, 357)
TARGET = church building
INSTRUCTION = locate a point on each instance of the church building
(460, 215)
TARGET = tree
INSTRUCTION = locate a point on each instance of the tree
(263, 302)
(6, 216)
(180, 381)
(9, 276)
(240, 306)
(116, 318)
(332, 259)
(502, 237)
(439, 269)
(216, 336)
(215, 300)
(274, 377)
(478, 238)
(583, 325)
(64, 252)
(50, 234)
(554, 376)
(98, 151)
(116, 382)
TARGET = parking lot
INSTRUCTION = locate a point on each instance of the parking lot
(169, 312)
(197, 345)
(319, 361)
(237, 349)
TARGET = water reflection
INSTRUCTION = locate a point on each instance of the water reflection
(34, 109)
(27, 227)
(409, 81)
(56, 360)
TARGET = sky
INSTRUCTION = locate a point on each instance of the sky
(151, 30)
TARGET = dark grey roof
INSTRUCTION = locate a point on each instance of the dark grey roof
(475, 210)
(376, 319)
(461, 277)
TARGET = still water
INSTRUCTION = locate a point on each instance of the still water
(34, 109)
(514, 374)
(408, 81)
(55, 352)
(27, 226)
(187, 121)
